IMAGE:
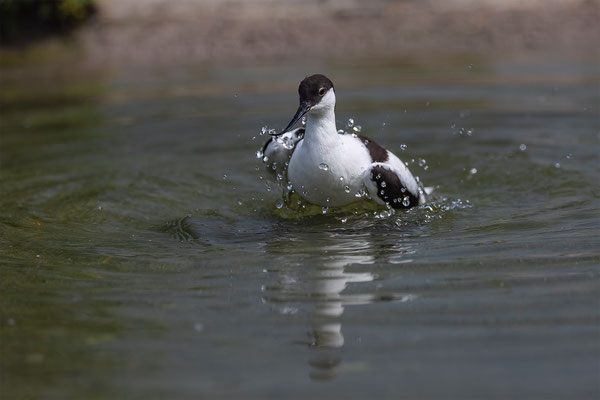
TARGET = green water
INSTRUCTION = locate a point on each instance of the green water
(143, 254)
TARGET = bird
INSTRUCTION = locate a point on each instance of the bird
(330, 169)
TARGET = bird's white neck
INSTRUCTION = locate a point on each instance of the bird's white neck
(321, 128)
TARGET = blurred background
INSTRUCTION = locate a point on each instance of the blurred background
(111, 33)
(146, 252)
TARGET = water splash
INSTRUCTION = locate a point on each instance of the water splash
(265, 130)
(286, 141)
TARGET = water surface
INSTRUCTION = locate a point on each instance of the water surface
(143, 253)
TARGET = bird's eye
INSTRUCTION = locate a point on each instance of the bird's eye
(321, 91)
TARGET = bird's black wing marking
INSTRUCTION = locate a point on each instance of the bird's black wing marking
(378, 153)
(391, 190)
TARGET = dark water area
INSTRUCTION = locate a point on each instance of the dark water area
(143, 253)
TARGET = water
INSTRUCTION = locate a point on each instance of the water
(143, 253)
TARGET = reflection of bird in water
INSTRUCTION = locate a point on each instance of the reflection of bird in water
(331, 169)
(327, 284)
(326, 334)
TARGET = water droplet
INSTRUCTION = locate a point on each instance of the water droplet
(303, 121)
(357, 128)
(382, 192)
(366, 142)
(406, 201)
(265, 159)
(522, 147)
(470, 66)
(279, 205)
(347, 189)
(362, 192)
(422, 162)
(557, 165)
(341, 179)
(568, 156)
(239, 202)
(473, 171)
(383, 184)
(289, 186)
(403, 146)
(344, 220)
(259, 154)
(341, 131)
(350, 122)
(324, 210)
(378, 176)
(224, 177)
(264, 130)
(323, 166)
(403, 189)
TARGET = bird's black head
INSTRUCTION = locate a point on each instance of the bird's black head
(312, 90)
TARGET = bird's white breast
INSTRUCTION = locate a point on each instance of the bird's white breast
(329, 171)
